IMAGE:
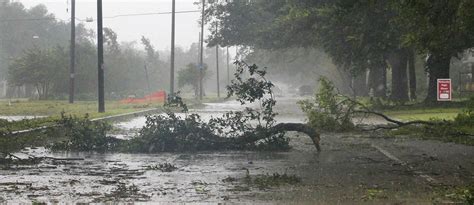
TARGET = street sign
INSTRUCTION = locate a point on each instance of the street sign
(444, 90)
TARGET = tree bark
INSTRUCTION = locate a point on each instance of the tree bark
(398, 63)
(359, 83)
(299, 127)
(412, 74)
(378, 80)
(437, 68)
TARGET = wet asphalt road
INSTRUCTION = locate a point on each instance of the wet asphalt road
(351, 169)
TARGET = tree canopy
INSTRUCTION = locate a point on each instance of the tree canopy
(359, 35)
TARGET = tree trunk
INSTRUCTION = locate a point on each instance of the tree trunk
(437, 68)
(378, 80)
(472, 74)
(196, 90)
(346, 81)
(29, 90)
(359, 83)
(398, 63)
(412, 74)
(39, 91)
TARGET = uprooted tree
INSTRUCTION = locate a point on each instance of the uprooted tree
(249, 129)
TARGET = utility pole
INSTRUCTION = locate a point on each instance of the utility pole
(197, 91)
(228, 69)
(72, 52)
(172, 47)
(100, 52)
(201, 60)
(217, 68)
(147, 79)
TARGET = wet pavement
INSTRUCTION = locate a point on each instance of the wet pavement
(351, 169)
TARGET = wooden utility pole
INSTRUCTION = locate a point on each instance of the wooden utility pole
(172, 47)
(147, 79)
(217, 68)
(100, 56)
(201, 59)
(197, 91)
(228, 69)
(72, 52)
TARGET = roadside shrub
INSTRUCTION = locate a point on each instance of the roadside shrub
(328, 111)
(458, 195)
(170, 133)
(10, 143)
(467, 116)
(239, 130)
(82, 134)
(249, 129)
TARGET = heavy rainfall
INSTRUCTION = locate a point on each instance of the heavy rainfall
(237, 102)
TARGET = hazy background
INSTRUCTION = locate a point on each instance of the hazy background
(126, 73)
(131, 28)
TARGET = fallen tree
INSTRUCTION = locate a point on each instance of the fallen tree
(332, 112)
(253, 128)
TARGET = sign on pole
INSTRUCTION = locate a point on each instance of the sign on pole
(444, 90)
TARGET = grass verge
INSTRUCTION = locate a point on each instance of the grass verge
(424, 114)
(52, 111)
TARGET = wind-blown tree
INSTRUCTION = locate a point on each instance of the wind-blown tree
(39, 68)
(190, 76)
(111, 42)
(442, 29)
(17, 31)
(157, 69)
(358, 35)
(151, 54)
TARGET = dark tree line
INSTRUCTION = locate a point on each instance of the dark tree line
(370, 39)
(34, 58)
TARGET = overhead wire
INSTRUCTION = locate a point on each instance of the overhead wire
(107, 17)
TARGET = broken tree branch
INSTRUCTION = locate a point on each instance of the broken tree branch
(299, 127)
(399, 123)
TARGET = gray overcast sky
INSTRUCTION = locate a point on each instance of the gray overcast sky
(131, 28)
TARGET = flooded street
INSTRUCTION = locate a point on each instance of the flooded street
(350, 169)
(236, 102)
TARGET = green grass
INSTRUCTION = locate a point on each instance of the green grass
(424, 114)
(54, 108)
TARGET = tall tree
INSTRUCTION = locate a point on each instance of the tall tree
(357, 35)
(441, 28)
(39, 68)
(191, 76)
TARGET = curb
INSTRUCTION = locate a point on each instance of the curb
(108, 118)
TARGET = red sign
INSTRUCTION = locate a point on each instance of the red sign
(444, 90)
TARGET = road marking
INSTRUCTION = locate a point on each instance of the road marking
(396, 159)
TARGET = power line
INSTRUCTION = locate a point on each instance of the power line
(29, 19)
(107, 17)
(148, 14)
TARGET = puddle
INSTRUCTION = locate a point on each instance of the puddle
(199, 176)
(128, 177)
